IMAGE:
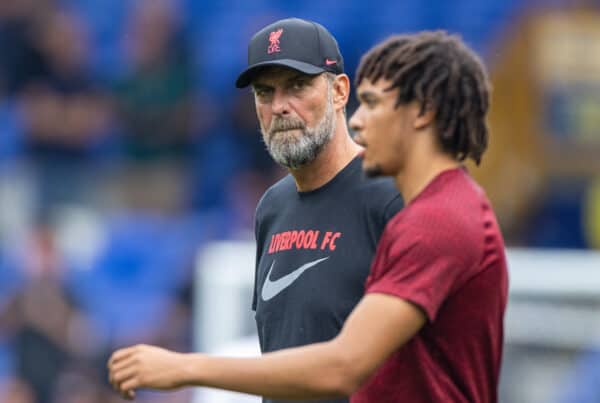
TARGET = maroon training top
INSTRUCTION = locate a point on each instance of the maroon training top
(443, 252)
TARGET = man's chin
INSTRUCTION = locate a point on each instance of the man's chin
(373, 171)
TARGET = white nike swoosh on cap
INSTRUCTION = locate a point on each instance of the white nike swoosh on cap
(271, 288)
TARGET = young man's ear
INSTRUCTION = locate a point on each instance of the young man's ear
(341, 91)
(425, 117)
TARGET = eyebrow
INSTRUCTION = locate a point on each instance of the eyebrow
(367, 94)
(259, 86)
(300, 76)
(291, 79)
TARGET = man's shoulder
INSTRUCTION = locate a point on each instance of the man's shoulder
(381, 196)
(438, 225)
(383, 186)
(279, 192)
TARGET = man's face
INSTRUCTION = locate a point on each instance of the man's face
(296, 114)
(384, 130)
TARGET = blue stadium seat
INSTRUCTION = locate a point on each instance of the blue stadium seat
(12, 279)
(557, 221)
(135, 279)
(11, 136)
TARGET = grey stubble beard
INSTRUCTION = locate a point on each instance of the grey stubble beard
(292, 150)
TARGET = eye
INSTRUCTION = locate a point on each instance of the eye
(299, 85)
(262, 92)
(369, 102)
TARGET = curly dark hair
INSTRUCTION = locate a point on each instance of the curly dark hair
(440, 72)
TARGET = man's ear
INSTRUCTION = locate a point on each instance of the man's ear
(425, 117)
(341, 91)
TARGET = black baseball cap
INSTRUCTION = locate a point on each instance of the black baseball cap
(295, 43)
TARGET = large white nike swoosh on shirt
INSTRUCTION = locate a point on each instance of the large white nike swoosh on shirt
(271, 288)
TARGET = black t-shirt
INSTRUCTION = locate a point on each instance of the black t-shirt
(314, 251)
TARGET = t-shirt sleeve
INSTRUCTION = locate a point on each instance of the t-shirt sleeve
(392, 207)
(382, 203)
(257, 257)
(421, 267)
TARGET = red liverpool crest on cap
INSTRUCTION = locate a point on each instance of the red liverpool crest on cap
(274, 41)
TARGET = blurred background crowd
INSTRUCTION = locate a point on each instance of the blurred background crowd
(124, 148)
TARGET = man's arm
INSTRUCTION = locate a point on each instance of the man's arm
(378, 326)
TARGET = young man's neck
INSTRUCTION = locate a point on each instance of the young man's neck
(331, 160)
(420, 169)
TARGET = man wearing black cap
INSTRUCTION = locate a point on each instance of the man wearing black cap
(316, 229)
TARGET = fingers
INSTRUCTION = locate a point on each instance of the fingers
(125, 382)
(141, 366)
(119, 371)
(121, 354)
(128, 395)
(130, 385)
(124, 364)
(118, 377)
(123, 372)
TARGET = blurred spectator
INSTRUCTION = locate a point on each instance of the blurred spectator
(155, 96)
(66, 117)
(64, 109)
(79, 385)
(15, 390)
(60, 321)
(41, 318)
(155, 101)
(21, 60)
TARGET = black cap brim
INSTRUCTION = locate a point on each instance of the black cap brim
(245, 78)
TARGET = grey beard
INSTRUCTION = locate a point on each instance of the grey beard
(294, 151)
